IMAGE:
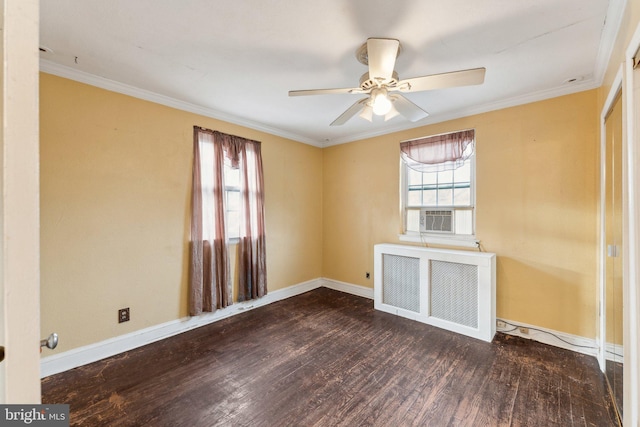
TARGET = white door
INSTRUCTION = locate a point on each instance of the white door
(19, 203)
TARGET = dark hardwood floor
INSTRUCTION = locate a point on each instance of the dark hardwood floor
(326, 358)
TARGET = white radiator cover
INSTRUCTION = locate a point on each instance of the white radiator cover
(450, 289)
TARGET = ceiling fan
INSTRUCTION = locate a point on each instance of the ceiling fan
(382, 84)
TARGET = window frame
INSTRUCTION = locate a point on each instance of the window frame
(465, 240)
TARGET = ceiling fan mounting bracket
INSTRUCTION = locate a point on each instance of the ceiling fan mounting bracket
(363, 56)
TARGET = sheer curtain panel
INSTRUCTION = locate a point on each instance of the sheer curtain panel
(210, 280)
(252, 269)
(438, 153)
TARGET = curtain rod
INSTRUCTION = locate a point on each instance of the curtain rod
(224, 133)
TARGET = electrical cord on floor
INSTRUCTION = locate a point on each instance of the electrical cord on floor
(516, 327)
(423, 240)
(614, 353)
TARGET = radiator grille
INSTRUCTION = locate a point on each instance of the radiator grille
(401, 282)
(454, 292)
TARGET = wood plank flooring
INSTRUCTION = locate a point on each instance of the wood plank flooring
(326, 358)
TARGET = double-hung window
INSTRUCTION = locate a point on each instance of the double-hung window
(438, 186)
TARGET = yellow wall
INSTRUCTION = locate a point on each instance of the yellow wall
(115, 183)
(115, 188)
(536, 171)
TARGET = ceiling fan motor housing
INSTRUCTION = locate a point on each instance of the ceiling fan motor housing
(367, 83)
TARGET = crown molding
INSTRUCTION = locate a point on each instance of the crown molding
(610, 29)
(50, 67)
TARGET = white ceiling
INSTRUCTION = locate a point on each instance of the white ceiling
(237, 60)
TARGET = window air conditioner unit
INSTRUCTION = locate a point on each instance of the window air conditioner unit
(436, 220)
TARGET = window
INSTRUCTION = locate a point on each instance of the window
(438, 194)
(232, 200)
(231, 193)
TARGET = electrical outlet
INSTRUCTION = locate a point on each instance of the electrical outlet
(523, 330)
(500, 324)
(123, 315)
(367, 275)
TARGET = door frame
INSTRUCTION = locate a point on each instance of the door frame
(19, 205)
(631, 291)
(616, 87)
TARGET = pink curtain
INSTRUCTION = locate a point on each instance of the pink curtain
(438, 153)
(252, 269)
(210, 279)
(196, 248)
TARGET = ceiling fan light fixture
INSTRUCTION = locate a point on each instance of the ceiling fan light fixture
(391, 114)
(367, 113)
(380, 102)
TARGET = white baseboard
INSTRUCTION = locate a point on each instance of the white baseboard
(549, 336)
(358, 290)
(614, 352)
(93, 352)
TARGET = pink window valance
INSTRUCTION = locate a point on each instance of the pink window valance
(438, 153)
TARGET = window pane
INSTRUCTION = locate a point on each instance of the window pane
(231, 177)
(233, 200)
(445, 177)
(232, 184)
(445, 197)
(233, 224)
(462, 197)
(463, 221)
(414, 177)
(463, 173)
(429, 198)
(430, 177)
(413, 220)
(414, 198)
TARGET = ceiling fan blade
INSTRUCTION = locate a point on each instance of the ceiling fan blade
(325, 91)
(473, 76)
(407, 108)
(351, 111)
(382, 54)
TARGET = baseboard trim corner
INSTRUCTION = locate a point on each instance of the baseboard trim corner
(80, 356)
(349, 288)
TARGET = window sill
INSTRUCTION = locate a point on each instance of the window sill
(461, 241)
